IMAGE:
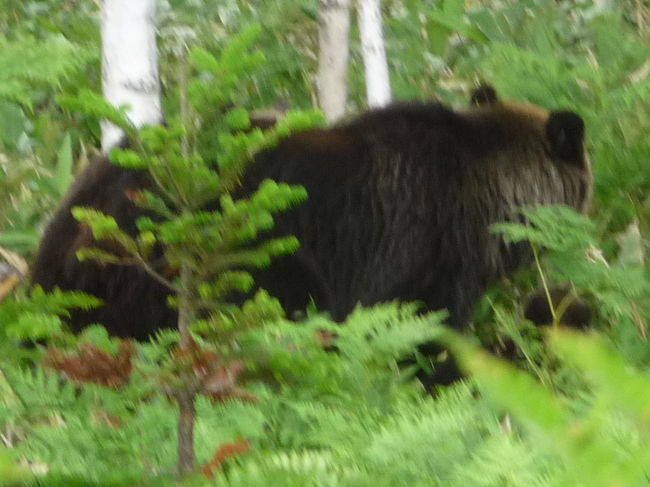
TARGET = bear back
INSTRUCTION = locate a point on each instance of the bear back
(400, 200)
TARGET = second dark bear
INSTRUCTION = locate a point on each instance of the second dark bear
(400, 201)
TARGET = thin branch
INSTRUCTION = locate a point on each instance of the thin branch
(140, 261)
(547, 291)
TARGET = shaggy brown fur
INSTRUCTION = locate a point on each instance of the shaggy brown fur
(401, 199)
(400, 202)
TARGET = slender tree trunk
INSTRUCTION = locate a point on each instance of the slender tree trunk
(186, 398)
(334, 31)
(130, 63)
(374, 54)
(187, 413)
(130, 77)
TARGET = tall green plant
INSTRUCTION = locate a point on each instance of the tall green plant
(28, 69)
(598, 439)
(209, 250)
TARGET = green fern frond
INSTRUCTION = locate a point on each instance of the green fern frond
(292, 469)
(26, 61)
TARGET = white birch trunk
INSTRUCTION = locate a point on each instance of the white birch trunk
(130, 63)
(334, 31)
(374, 53)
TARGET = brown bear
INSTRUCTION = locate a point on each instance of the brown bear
(401, 200)
(400, 204)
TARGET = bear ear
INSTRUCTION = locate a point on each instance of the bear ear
(565, 131)
(483, 95)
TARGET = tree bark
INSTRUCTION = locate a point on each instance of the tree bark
(334, 30)
(186, 397)
(374, 53)
(187, 413)
(130, 63)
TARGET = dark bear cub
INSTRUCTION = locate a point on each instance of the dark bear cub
(400, 202)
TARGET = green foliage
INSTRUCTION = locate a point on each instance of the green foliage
(95, 106)
(207, 247)
(29, 193)
(599, 438)
(557, 228)
(371, 341)
(29, 67)
(10, 470)
(622, 288)
(590, 61)
(35, 315)
(96, 433)
(215, 246)
(28, 62)
(350, 416)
